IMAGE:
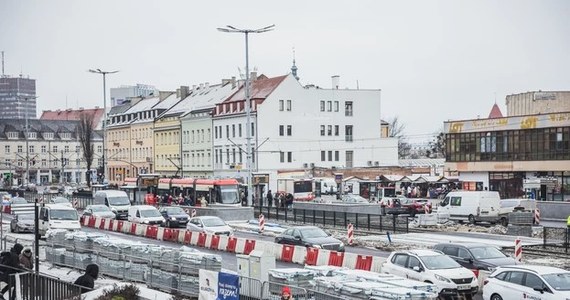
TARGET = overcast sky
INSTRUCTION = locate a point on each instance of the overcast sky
(433, 60)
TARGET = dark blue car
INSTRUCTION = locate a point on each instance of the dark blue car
(174, 216)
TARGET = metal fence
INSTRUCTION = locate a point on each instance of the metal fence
(254, 289)
(360, 221)
(29, 285)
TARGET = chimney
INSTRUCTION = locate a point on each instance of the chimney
(225, 81)
(233, 82)
(207, 85)
(335, 82)
(163, 95)
(253, 76)
(177, 93)
(193, 87)
(184, 91)
(201, 86)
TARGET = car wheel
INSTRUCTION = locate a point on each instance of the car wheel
(413, 213)
(496, 297)
(168, 224)
(17, 230)
(11, 228)
(471, 219)
(505, 222)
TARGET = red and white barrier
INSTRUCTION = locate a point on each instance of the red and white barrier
(261, 223)
(426, 209)
(518, 250)
(350, 233)
(193, 213)
(377, 263)
(537, 216)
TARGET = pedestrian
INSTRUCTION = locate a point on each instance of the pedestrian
(286, 293)
(87, 280)
(269, 198)
(10, 264)
(26, 259)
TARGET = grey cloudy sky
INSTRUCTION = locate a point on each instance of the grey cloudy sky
(434, 60)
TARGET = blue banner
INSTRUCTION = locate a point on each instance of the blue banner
(228, 286)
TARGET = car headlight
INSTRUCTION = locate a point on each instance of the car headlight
(145, 222)
(441, 278)
(317, 246)
(173, 218)
(341, 245)
(114, 210)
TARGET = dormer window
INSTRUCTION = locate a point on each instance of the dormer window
(12, 135)
(65, 135)
(48, 135)
(32, 135)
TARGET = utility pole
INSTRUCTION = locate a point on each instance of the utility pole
(62, 165)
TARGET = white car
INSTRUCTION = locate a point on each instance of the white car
(527, 282)
(209, 224)
(61, 201)
(450, 278)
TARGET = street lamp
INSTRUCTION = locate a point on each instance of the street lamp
(104, 73)
(27, 130)
(248, 153)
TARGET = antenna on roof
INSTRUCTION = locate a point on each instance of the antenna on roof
(495, 97)
(3, 64)
(241, 74)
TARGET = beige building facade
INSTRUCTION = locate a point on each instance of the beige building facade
(539, 102)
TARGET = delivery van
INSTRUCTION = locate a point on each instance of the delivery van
(474, 206)
(145, 214)
(57, 216)
(117, 201)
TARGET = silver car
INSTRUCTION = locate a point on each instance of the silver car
(210, 224)
(22, 223)
(101, 211)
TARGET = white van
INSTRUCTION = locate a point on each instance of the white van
(473, 206)
(145, 214)
(57, 216)
(117, 201)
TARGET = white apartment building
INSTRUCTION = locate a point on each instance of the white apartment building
(54, 152)
(298, 128)
(196, 122)
(120, 95)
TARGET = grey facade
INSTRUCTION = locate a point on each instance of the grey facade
(17, 98)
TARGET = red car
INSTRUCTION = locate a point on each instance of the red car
(416, 205)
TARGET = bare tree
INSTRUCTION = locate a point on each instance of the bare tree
(437, 146)
(85, 132)
(396, 130)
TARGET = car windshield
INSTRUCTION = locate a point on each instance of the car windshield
(313, 233)
(60, 214)
(150, 213)
(508, 203)
(120, 200)
(174, 210)
(19, 201)
(229, 195)
(438, 262)
(213, 222)
(559, 281)
(60, 200)
(487, 253)
(26, 217)
(101, 208)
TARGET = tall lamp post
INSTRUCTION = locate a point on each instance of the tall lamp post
(104, 73)
(249, 152)
(27, 130)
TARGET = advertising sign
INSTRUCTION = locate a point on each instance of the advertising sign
(218, 286)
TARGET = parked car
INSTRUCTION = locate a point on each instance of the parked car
(60, 200)
(101, 211)
(395, 207)
(510, 205)
(52, 190)
(210, 224)
(474, 206)
(527, 282)
(309, 236)
(450, 278)
(22, 223)
(117, 201)
(57, 216)
(416, 205)
(175, 216)
(476, 256)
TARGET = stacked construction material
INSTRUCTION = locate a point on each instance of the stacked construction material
(297, 277)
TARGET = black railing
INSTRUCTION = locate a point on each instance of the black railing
(360, 221)
(36, 286)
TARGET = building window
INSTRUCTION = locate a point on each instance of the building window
(216, 132)
(43, 149)
(282, 156)
(330, 155)
(336, 130)
(348, 133)
(281, 130)
(289, 130)
(233, 155)
(228, 131)
(322, 105)
(54, 149)
(66, 149)
(253, 155)
(228, 156)
(329, 131)
(209, 135)
(288, 105)
(240, 156)
(7, 149)
(323, 155)
(336, 156)
(233, 130)
(252, 129)
(329, 105)
(336, 106)
(7, 162)
(289, 156)
(99, 148)
(280, 105)
(31, 149)
(239, 130)
(322, 130)
(348, 108)
(349, 155)
(216, 155)
(44, 162)
(20, 148)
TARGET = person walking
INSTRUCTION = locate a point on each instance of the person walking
(26, 259)
(10, 264)
(87, 280)
(286, 293)
(269, 198)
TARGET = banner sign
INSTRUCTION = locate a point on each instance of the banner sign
(218, 286)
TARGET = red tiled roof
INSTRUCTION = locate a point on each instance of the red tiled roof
(72, 114)
(260, 89)
(495, 112)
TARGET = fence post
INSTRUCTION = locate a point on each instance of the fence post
(544, 237)
(381, 225)
(345, 220)
(314, 217)
(324, 218)
(304, 215)
(394, 223)
(334, 218)
(368, 221)
(285, 214)
(295, 215)
(277, 213)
